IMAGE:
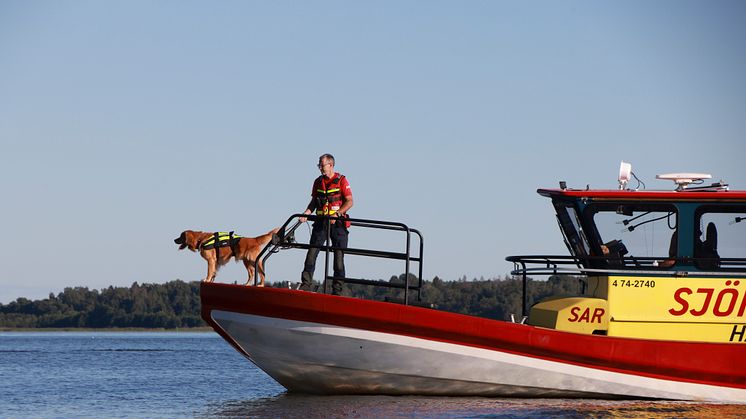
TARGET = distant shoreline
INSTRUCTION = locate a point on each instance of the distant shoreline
(104, 329)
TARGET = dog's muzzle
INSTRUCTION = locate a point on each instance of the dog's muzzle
(181, 241)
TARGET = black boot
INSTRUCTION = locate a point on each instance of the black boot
(306, 281)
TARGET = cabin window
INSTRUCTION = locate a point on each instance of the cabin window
(640, 235)
(720, 235)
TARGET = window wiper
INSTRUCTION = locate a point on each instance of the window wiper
(629, 220)
(633, 227)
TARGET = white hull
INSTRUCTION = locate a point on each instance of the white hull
(323, 359)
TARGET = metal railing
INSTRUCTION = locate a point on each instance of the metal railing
(633, 266)
(284, 239)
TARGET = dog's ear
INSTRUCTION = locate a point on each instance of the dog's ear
(190, 239)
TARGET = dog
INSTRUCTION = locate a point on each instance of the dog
(244, 249)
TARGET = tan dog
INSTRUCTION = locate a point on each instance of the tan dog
(244, 249)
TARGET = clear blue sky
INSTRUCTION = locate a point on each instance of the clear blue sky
(124, 123)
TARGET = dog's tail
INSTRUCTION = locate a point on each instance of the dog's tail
(265, 238)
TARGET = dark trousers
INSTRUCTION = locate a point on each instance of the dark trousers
(338, 235)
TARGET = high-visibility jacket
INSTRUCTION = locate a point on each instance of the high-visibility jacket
(328, 194)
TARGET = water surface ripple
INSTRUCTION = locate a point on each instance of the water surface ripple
(146, 374)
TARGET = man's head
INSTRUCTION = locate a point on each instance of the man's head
(326, 165)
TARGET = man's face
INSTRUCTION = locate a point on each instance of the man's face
(326, 167)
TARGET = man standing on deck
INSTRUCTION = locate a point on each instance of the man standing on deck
(331, 195)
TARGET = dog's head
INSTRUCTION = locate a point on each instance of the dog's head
(189, 239)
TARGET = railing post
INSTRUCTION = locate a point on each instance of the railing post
(406, 273)
(419, 288)
(328, 222)
(525, 287)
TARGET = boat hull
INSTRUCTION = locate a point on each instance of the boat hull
(314, 343)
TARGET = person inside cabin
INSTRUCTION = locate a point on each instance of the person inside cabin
(673, 248)
(330, 196)
(706, 252)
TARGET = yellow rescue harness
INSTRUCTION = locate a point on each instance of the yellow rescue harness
(221, 239)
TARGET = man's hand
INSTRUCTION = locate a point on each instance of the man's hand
(304, 219)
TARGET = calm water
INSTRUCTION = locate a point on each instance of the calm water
(102, 374)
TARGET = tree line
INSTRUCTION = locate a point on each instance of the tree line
(176, 304)
(171, 305)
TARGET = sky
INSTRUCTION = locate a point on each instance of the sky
(124, 123)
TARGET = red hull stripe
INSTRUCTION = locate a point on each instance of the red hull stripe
(717, 364)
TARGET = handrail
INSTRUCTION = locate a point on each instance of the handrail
(280, 241)
(635, 265)
(552, 265)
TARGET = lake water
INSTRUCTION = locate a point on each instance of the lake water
(145, 374)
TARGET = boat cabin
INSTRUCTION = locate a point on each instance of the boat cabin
(653, 264)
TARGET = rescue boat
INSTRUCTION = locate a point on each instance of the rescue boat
(659, 313)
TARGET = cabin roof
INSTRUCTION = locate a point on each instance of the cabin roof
(646, 195)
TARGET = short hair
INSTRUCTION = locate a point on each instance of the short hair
(327, 156)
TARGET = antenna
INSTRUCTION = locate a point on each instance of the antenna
(625, 169)
(683, 180)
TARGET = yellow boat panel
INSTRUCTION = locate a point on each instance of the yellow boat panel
(697, 309)
(571, 314)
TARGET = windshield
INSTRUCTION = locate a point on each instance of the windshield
(636, 231)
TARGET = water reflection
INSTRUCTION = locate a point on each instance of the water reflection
(293, 405)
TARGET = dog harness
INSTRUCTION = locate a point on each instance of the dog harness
(221, 239)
